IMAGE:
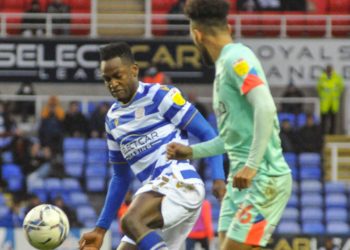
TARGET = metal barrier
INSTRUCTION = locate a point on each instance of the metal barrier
(149, 23)
(335, 158)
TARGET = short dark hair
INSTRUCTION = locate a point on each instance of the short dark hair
(207, 12)
(113, 50)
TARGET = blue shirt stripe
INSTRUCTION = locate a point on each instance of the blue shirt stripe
(162, 141)
(144, 130)
(187, 117)
(158, 170)
(144, 174)
(172, 111)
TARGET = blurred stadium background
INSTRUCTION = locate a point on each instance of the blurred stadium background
(56, 54)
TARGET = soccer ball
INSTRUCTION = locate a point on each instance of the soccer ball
(46, 227)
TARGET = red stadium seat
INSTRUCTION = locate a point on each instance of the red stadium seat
(13, 4)
(250, 25)
(296, 22)
(80, 5)
(80, 25)
(271, 23)
(318, 6)
(13, 23)
(162, 5)
(339, 6)
(43, 5)
(341, 26)
(233, 6)
(315, 26)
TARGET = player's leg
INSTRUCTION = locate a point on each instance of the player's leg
(143, 215)
(126, 246)
(232, 244)
(259, 213)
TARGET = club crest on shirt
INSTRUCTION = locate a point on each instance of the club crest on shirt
(241, 67)
(139, 113)
(164, 87)
(177, 98)
(116, 122)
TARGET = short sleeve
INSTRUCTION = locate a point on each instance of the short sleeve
(175, 108)
(245, 74)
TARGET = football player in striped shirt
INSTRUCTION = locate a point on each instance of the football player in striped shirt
(259, 182)
(139, 125)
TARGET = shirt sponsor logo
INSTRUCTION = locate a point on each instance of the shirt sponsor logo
(241, 67)
(178, 98)
(135, 144)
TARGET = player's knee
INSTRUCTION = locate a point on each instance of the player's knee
(129, 223)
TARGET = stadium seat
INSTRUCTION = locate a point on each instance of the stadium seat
(338, 227)
(309, 160)
(80, 5)
(71, 185)
(341, 25)
(38, 185)
(2, 200)
(288, 227)
(336, 200)
(96, 144)
(295, 173)
(315, 26)
(10, 170)
(42, 194)
(336, 214)
(13, 4)
(271, 23)
(96, 177)
(311, 200)
(295, 187)
(296, 23)
(74, 157)
(311, 186)
(313, 228)
(80, 22)
(7, 157)
(339, 7)
(53, 185)
(79, 199)
(310, 173)
(85, 213)
(97, 157)
(311, 214)
(72, 143)
(250, 24)
(291, 159)
(335, 187)
(74, 169)
(287, 116)
(293, 201)
(317, 6)
(291, 214)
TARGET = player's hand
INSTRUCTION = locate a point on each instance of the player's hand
(92, 240)
(219, 189)
(177, 151)
(244, 177)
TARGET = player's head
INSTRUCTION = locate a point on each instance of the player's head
(119, 71)
(208, 18)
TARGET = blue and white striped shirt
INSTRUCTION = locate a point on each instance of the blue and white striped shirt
(138, 132)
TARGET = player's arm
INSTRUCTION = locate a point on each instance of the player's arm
(117, 190)
(264, 114)
(252, 86)
(186, 117)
